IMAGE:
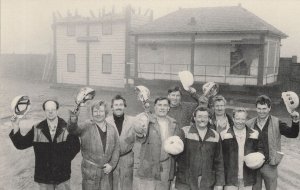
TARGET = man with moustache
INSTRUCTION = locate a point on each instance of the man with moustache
(100, 147)
(271, 128)
(54, 148)
(156, 169)
(237, 142)
(123, 173)
(201, 166)
(220, 119)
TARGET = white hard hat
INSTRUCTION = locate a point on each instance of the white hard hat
(291, 100)
(84, 95)
(20, 105)
(173, 145)
(186, 79)
(254, 160)
(143, 93)
(210, 89)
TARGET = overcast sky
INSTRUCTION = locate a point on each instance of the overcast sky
(26, 24)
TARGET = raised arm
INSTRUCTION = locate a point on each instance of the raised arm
(293, 131)
(20, 141)
(73, 127)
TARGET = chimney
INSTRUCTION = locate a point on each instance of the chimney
(294, 59)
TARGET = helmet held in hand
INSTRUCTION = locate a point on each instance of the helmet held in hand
(186, 79)
(173, 145)
(20, 105)
(291, 100)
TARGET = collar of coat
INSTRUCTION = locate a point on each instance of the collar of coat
(230, 121)
(209, 133)
(61, 126)
(229, 133)
(172, 122)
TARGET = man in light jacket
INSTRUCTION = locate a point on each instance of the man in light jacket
(271, 128)
(100, 147)
(156, 169)
(123, 173)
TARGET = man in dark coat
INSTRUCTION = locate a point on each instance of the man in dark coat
(53, 146)
(237, 142)
(200, 166)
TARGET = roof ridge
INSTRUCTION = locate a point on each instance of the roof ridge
(263, 21)
(210, 7)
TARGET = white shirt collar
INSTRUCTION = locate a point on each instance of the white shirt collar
(52, 124)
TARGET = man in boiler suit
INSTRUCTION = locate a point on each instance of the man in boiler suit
(123, 174)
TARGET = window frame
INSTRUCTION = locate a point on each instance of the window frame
(71, 30)
(106, 24)
(110, 66)
(69, 69)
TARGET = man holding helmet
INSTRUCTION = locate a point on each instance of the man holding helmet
(156, 169)
(238, 141)
(100, 147)
(271, 128)
(53, 146)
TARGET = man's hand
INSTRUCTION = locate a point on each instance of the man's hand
(295, 116)
(15, 123)
(107, 168)
(191, 90)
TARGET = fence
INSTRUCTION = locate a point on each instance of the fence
(205, 73)
(289, 76)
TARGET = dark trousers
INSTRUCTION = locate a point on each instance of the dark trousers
(268, 174)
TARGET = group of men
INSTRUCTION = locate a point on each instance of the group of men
(215, 145)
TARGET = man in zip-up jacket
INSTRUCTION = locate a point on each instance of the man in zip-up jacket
(200, 166)
(270, 129)
(238, 141)
(54, 148)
